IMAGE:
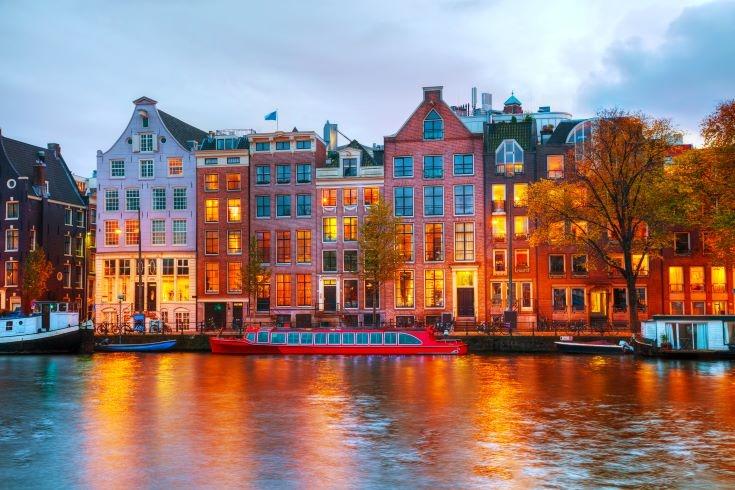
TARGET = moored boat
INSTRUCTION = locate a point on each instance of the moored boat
(338, 342)
(698, 337)
(594, 347)
(161, 346)
(52, 328)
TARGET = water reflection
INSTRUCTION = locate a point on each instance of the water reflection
(126, 420)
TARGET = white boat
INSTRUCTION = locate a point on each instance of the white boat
(52, 328)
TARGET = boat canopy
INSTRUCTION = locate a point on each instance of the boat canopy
(332, 338)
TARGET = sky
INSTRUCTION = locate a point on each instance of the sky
(71, 69)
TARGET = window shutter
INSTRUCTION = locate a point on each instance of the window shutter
(155, 142)
(136, 143)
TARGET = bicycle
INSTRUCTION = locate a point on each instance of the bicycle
(122, 329)
(577, 327)
(103, 328)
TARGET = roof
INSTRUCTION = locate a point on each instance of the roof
(521, 131)
(370, 156)
(512, 100)
(23, 156)
(181, 131)
(210, 142)
(559, 136)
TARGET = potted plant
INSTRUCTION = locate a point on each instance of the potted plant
(665, 343)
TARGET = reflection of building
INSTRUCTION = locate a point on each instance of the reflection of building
(88, 189)
(223, 231)
(150, 171)
(41, 207)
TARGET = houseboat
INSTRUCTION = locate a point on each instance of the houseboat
(688, 337)
(338, 342)
(52, 328)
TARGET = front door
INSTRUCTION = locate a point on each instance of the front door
(215, 315)
(465, 301)
(151, 299)
(598, 304)
(330, 297)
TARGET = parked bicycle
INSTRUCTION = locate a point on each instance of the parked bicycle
(104, 328)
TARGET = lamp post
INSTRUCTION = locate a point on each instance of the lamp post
(120, 298)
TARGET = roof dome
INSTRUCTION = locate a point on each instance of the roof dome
(512, 100)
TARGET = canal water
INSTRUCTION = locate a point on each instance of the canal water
(183, 420)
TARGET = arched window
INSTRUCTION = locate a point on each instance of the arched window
(433, 126)
(509, 158)
(578, 136)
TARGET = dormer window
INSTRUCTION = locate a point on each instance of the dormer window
(433, 126)
(144, 118)
(579, 136)
(349, 167)
(509, 158)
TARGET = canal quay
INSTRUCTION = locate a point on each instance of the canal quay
(478, 421)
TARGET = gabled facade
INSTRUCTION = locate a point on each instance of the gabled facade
(148, 173)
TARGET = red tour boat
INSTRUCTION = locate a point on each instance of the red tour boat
(339, 342)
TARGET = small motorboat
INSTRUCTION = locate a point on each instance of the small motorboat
(162, 346)
(594, 347)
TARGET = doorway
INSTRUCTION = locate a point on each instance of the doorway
(330, 295)
(215, 314)
(465, 287)
(151, 302)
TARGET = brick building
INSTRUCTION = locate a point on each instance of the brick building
(222, 227)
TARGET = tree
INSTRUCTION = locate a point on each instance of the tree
(37, 270)
(254, 274)
(705, 174)
(615, 202)
(380, 255)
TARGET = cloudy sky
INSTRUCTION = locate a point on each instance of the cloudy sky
(72, 68)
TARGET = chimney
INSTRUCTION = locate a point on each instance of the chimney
(56, 148)
(39, 169)
(433, 93)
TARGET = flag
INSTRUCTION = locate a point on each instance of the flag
(273, 116)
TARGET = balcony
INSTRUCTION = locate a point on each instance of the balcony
(522, 268)
(521, 235)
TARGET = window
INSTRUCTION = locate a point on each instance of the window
(434, 288)
(464, 164)
(283, 247)
(159, 199)
(303, 290)
(349, 228)
(112, 200)
(371, 195)
(263, 146)
(262, 207)
(158, 232)
(210, 161)
(175, 167)
(179, 229)
(262, 174)
(263, 246)
(180, 201)
(67, 216)
(329, 198)
(67, 244)
(112, 233)
(211, 210)
(464, 241)
(146, 142)
(303, 246)
(132, 232)
(522, 261)
(698, 308)
(433, 126)
(520, 227)
(146, 169)
(464, 200)
(211, 182)
(329, 261)
(520, 195)
(124, 267)
(283, 145)
(283, 174)
(555, 166)
(556, 265)
(211, 242)
(509, 158)
(696, 279)
(117, 169)
(577, 299)
(234, 277)
(676, 308)
(434, 242)
(681, 243)
(211, 277)
(433, 167)
(12, 240)
(405, 290)
(372, 295)
(579, 136)
(303, 205)
(12, 271)
(404, 234)
(349, 293)
(233, 160)
(79, 246)
(498, 226)
(720, 308)
(234, 242)
(283, 205)
(132, 199)
(718, 279)
(676, 279)
(233, 182)
(329, 229)
(303, 173)
(349, 197)
(434, 201)
(303, 145)
(402, 167)
(32, 240)
(349, 260)
(559, 299)
(500, 262)
(403, 201)
(80, 218)
(349, 167)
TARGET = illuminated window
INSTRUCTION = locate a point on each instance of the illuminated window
(349, 228)
(522, 260)
(500, 262)
(234, 242)
(303, 290)
(509, 158)
(498, 226)
(520, 227)
(696, 279)
(234, 277)
(211, 210)
(434, 242)
(676, 279)
(329, 198)
(433, 126)
(112, 233)
(498, 198)
(234, 214)
(263, 245)
(555, 166)
(211, 242)
(520, 195)
(12, 271)
(464, 241)
(718, 279)
(263, 299)
(283, 247)
(211, 277)
(434, 288)
(329, 229)
(405, 290)
(283, 289)
(371, 195)
(404, 235)
(175, 167)
(211, 182)
(350, 293)
(303, 246)
(12, 239)
(349, 197)
(233, 182)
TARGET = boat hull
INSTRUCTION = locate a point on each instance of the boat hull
(589, 348)
(242, 347)
(648, 350)
(162, 346)
(62, 341)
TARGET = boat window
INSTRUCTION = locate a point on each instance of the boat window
(306, 338)
(333, 338)
(278, 338)
(9, 325)
(250, 336)
(293, 337)
(376, 338)
(362, 338)
(390, 338)
(262, 337)
(320, 338)
(348, 338)
(408, 339)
